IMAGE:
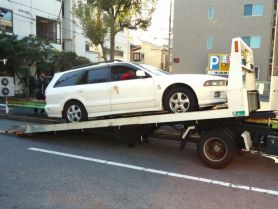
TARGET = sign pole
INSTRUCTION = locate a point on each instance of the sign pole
(6, 102)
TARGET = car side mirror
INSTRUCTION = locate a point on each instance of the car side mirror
(140, 73)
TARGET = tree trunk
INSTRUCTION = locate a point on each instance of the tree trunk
(103, 52)
(112, 47)
(112, 41)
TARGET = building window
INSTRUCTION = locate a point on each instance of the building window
(253, 42)
(6, 20)
(253, 10)
(118, 53)
(46, 29)
(257, 72)
(87, 47)
(137, 56)
(63, 9)
(210, 12)
(209, 42)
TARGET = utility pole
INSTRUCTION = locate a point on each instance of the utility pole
(169, 37)
(273, 100)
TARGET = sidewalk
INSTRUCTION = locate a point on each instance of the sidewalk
(24, 114)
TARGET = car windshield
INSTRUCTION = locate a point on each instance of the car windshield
(154, 70)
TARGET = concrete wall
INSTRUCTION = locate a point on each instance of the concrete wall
(192, 27)
(122, 43)
(73, 38)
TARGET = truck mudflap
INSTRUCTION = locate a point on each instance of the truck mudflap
(272, 143)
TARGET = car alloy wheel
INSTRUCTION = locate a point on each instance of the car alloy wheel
(180, 100)
(75, 112)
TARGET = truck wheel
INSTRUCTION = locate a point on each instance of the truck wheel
(74, 111)
(216, 148)
(180, 100)
(238, 140)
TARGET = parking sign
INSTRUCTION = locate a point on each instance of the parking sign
(218, 64)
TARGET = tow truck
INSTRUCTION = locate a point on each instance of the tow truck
(221, 132)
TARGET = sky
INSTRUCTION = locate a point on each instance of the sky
(160, 19)
(158, 31)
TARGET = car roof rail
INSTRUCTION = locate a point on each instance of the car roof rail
(96, 63)
(80, 66)
(116, 60)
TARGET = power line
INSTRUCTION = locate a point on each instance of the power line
(43, 11)
(24, 16)
(46, 12)
(36, 21)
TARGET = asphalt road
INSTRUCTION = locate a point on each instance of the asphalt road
(87, 170)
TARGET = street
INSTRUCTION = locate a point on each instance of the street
(88, 170)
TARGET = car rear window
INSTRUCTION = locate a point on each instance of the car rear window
(99, 75)
(69, 79)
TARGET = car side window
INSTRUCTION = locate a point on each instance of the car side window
(69, 79)
(98, 75)
(120, 73)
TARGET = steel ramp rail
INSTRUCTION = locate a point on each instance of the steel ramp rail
(138, 120)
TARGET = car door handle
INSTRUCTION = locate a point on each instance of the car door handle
(79, 90)
(116, 89)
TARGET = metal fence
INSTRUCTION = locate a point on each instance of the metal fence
(264, 91)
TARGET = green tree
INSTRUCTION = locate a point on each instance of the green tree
(92, 20)
(67, 60)
(102, 18)
(36, 53)
(24, 54)
(9, 49)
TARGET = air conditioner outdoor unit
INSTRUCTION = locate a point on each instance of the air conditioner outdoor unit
(6, 86)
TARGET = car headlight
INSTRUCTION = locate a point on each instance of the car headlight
(216, 83)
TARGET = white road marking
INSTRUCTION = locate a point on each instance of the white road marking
(160, 172)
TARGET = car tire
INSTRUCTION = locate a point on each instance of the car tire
(180, 100)
(216, 148)
(74, 111)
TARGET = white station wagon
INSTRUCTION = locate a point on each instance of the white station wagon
(121, 87)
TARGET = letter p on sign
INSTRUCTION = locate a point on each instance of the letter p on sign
(214, 62)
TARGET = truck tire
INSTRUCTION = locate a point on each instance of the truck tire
(237, 138)
(217, 148)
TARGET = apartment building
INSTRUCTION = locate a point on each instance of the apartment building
(205, 27)
(24, 17)
(54, 20)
